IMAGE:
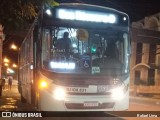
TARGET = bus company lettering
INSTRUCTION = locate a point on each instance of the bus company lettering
(147, 115)
(76, 89)
(19, 114)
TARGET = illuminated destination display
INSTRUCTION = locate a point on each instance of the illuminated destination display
(85, 15)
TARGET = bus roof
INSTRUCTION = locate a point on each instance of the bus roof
(81, 5)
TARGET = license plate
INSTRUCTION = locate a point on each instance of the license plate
(76, 89)
(102, 88)
(91, 104)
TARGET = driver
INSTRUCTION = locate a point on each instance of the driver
(64, 43)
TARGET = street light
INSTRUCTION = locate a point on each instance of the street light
(13, 46)
(8, 66)
(6, 60)
(14, 65)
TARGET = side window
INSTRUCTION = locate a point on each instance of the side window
(46, 45)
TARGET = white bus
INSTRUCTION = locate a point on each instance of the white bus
(92, 75)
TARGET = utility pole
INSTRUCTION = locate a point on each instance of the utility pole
(1, 46)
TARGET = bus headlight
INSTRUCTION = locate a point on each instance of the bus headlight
(59, 93)
(119, 92)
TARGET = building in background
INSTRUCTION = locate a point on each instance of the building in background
(145, 58)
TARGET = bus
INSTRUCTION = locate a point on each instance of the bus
(92, 75)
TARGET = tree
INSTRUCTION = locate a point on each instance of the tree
(15, 14)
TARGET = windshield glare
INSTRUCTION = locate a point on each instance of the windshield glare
(97, 51)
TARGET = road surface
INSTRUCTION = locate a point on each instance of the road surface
(10, 101)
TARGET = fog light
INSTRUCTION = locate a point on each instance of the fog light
(43, 84)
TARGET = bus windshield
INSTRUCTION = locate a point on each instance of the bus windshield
(85, 51)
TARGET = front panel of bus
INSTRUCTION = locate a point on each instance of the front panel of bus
(93, 74)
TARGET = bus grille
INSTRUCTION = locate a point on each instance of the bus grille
(107, 105)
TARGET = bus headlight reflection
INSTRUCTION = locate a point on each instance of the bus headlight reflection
(59, 94)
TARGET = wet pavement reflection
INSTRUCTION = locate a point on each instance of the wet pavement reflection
(10, 104)
(10, 101)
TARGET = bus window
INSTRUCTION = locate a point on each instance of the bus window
(111, 50)
(46, 42)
